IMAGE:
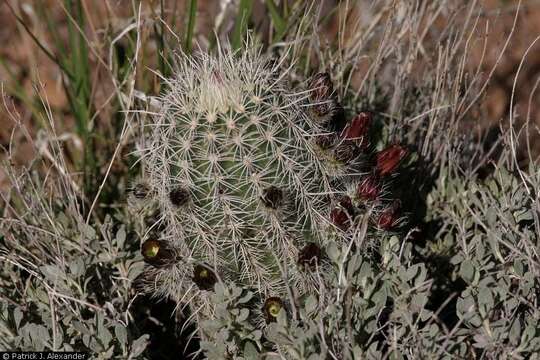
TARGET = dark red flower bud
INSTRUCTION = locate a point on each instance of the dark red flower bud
(157, 253)
(309, 256)
(389, 217)
(369, 189)
(346, 203)
(389, 159)
(204, 277)
(271, 308)
(358, 129)
(341, 215)
(340, 218)
(272, 197)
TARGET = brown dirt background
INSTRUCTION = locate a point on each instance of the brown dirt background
(29, 66)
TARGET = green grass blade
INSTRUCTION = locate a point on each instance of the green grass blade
(279, 23)
(241, 26)
(192, 11)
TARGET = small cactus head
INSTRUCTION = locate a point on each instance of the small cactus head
(240, 164)
(157, 253)
(204, 277)
(271, 308)
(389, 159)
(310, 256)
(235, 170)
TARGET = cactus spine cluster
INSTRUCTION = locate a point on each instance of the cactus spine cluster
(251, 179)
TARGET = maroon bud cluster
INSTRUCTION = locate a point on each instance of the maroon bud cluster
(345, 144)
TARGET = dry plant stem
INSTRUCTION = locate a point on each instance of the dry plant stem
(492, 71)
(511, 116)
(125, 126)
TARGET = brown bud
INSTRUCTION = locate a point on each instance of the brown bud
(342, 214)
(322, 94)
(155, 221)
(389, 217)
(324, 108)
(204, 277)
(321, 86)
(389, 159)
(340, 218)
(179, 196)
(271, 308)
(346, 203)
(369, 189)
(272, 197)
(309, 256)
(358, 129)
(140, 191)
(325, 141)
(346, 152)
(157, 253)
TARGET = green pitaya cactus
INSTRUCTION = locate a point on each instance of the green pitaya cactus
(252, 178)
